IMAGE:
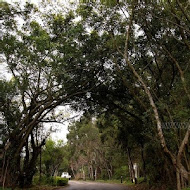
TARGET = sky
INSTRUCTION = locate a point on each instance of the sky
(62, 129)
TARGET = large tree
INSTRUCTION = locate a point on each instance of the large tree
(49, 65)
(148, 45)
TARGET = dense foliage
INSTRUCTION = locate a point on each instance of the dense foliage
(52, 181)
(54, 158)
(126, 64)
(94, 154)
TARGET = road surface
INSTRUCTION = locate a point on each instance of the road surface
(81, 185)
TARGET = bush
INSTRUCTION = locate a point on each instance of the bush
(54, 181)
(61, 181)
(121, 171)
(44, 180)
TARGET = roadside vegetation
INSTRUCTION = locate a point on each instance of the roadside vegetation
(123, 64)
(51, 181)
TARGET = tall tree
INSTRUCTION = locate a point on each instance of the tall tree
(49, 68)
(53, 163)
(153, 44)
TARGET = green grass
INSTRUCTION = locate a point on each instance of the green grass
(125, 182)
(115, 181)
(187, 188)
(43, 187)
(47, 184)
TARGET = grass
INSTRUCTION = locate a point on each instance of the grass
(125, 182)
(115, 181)
(44, 187)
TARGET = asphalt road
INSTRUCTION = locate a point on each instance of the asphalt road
(80, 185)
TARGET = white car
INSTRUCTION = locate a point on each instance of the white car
(66, 175)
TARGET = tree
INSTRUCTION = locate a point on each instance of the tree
(149, 55)
(83, 140)
(53, 164)
(181, 172)
(47, 64)
(95, 153)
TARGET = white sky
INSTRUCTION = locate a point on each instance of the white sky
(62, 129)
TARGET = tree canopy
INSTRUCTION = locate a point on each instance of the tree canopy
(123, 60)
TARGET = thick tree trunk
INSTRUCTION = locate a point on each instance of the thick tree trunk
(92, 173)
(18, 174)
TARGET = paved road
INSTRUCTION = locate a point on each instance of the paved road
(80, 185)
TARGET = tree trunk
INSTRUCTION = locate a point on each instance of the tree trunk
(92, 173)
(95, 174)
(107, 169)
(5, 175)
(178, 179)
(40, 178)
(83, 173)
(143, 161)
(131, 169)
(72, 169)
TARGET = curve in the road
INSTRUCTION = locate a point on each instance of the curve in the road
(80, 185)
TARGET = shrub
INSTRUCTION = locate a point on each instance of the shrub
(44, 180)
(61, 181)
(121, 171)
(54, 181)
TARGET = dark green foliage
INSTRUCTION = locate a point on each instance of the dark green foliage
(61, 181)
(94, 149)
(83, 64)
(121, 171)
(53, 181)
(158, 167)
(56, 163)
(48, 69)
